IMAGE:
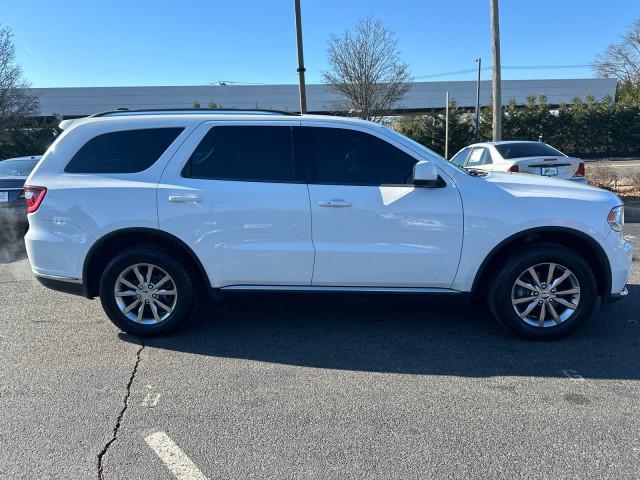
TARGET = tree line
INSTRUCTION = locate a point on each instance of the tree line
(585, 127)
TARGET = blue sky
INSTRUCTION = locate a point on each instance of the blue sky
(198, 42)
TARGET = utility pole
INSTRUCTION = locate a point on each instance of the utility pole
(446, 128)
(479, 60)
(496, 90)
(301, 69)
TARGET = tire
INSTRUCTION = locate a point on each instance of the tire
(510, 301)
(173, 300)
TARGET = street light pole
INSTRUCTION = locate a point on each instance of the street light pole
(301, 69)
(496, 90)
(479, 60)
(446, 128)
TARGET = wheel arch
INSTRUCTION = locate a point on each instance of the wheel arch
(108, 245)
(584, 244)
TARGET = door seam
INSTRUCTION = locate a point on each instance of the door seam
(313, 245)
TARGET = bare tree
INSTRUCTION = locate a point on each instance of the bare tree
(365, 67)
(16, 102)
(622, 60)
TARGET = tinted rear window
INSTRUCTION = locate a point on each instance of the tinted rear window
(127, 151)
(520, 150)
(244, 153)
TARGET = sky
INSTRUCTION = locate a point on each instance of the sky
(77, 43)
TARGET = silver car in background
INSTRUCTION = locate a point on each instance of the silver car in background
(536, 158)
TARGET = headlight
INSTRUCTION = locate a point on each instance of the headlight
(616, 218)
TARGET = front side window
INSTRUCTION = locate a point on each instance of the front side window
(479, 156)
(126, 151)
(459, 158)
(244, 153)
(349, 157)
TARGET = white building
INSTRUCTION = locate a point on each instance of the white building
(81, 101)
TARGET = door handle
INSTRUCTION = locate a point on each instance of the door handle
(335, 203)
(184, 198)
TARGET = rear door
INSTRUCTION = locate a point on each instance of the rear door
(371, 226)
(237, 196)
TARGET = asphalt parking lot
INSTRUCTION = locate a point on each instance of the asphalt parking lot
(321, 387)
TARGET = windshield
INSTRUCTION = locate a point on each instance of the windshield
(527, 149)
(16, 168)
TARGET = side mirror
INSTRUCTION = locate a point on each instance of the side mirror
(425, 174)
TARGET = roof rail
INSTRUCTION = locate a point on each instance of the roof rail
(126, 111)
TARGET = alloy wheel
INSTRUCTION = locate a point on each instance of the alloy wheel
(145, 293)
(545, 295)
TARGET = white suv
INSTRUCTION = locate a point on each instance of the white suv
(148, 209)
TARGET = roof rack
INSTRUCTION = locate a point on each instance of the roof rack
(160, 111)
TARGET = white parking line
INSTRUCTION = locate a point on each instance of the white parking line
(150, 400)
(573, 375)
(174, 458)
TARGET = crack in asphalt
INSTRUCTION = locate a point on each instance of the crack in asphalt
(125, 405)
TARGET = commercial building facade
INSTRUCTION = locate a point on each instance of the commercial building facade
(422, 96)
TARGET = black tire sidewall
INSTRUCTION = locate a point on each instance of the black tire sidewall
(518, 263)
(162, 259)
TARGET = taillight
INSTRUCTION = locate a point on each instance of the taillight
(513, 169)
(580, 170)
(33, 197)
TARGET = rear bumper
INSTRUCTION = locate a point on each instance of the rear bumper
(56, 249)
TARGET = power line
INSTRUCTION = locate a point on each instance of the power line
(457, 72)
(445, 74)
(544, 67)
(506, 67)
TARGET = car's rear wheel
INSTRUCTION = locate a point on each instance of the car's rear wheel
(543, 292)
(146, 292)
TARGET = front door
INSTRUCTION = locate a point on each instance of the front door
(371, 226)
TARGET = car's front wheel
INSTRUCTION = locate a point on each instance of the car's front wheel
(543, 292)
(144, 291)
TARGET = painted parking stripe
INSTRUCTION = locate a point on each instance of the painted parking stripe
(175, 459)
(150, 400)
(573, 375)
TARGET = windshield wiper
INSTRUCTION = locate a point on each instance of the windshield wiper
(476, 172)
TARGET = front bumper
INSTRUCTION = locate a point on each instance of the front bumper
(61, 285)
(620, 253)
(614, 297)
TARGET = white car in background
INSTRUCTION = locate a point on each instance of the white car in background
(536, 158)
